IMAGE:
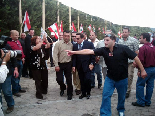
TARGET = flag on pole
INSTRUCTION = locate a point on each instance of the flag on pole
(103, 30)
(43, 33)
(26, 22)
(73, 27)
(89, 28)
(119, 34)
(61, 27)
(81, 28)
(54, 28)
(93, 28)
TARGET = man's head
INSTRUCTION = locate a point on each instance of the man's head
(74, 36)
(23, 35)
(80, 38)
(144, 38)
(14, 34)
(109, 40)
(52, 34)
(92, 36)
(66, 36)
(31, 31)
(60, 35)
(126, 32)
(85, 35)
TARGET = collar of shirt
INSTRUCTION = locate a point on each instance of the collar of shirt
(81, 43)
(65, 42)
(148, 44)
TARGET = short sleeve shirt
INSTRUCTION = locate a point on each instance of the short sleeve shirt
(117, 62)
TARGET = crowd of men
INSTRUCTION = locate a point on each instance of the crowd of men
(114, 61)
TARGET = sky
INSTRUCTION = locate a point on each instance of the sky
(122, 12)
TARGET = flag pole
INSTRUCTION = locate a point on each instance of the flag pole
(70, 19)
(43, 14)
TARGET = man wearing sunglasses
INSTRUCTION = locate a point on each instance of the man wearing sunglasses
(116, 58)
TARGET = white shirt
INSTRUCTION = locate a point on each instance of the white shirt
(3, 73)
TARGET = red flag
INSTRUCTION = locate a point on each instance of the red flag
(73, 27)
(89, 28)
(54, 28)
(26, 21)
(81, 28)
(61, 27)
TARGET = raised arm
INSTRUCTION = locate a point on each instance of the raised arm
(84, 52)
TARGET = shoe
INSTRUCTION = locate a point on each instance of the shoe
(88, 96)
(39, 96)
(69, 97)
(17, 94)
(136, 104)
(121, 114)
(99, 86)
(82, 96)
(127, 95)
(61, 92)
(92, 87)
(22, 91)
(78, 92)
(148, 105)
(9, 109)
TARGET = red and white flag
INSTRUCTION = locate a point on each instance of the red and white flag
(103, 30)
(81, 28)
(93, 28)
(61, 27)
(73, 27)
(89, 28)
(54, 28)
(119, 34)
(26, 22)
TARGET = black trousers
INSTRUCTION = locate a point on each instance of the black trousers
(41, 80)
(66, 68)
(24, 71)
(85, 80)
(28, 67)
(51, 58)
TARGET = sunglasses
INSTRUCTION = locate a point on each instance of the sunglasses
(107, 35)
(73, 36)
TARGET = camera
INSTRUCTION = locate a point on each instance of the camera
(14, 54)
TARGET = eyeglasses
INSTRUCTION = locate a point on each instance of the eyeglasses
(73, 36)
(107, 35)
(77, 38)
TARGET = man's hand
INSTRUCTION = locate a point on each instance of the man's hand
(57, 68)
(91, 66)
(16, 74)
(134, 64)
(73, 69)
(97, 58)
(7, 56)
(143, 74)
(69, 52)
(23, 60)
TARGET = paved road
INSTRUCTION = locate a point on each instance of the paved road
(54, 105)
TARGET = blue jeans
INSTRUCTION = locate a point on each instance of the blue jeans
(149, 81)
(6, 88)
(15, 81)
(109, 86)
(97, 69)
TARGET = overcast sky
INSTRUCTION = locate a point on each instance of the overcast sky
(122, 12)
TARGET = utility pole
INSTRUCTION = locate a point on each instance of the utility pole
(78, 21)
(69, 18)
(43, 14)
(20, 16)
(58, 20)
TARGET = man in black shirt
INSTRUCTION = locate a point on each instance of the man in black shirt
(116, 58)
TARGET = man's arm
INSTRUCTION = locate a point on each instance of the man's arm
(84, 52)
(142, 70)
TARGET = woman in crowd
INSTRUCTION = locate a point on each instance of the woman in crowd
(39, 55)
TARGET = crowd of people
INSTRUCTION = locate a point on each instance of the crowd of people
(77, 60)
